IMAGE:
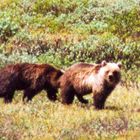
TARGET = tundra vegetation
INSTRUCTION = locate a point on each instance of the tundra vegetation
(63, 32)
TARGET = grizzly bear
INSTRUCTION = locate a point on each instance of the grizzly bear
(83, 78)
(32, 78)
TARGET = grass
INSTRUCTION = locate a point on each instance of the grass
(63, 32)
(42, 119)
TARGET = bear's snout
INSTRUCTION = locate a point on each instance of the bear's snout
(111, 77)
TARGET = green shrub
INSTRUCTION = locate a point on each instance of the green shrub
(16, 57)
(65, 32)
(8, 27)
(124, 23)
(55, 7)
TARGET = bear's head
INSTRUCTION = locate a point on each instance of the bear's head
(110, 72)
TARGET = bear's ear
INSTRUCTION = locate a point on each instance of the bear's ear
(62, 71)
(119, 64)
(103, 63)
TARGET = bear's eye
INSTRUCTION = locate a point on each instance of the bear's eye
(115, 73)
(107, 71)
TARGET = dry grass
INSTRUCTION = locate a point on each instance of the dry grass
(42, 119)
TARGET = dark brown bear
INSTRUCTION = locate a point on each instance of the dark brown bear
(32, 78)
(81, 79)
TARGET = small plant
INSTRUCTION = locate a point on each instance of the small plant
(8, 27)
(125, 23)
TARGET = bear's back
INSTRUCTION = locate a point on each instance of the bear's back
(78, 73)
(83, 68)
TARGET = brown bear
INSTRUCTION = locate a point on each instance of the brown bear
(81, 79)
(32, 78)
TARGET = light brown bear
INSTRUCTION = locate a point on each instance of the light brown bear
(81, 79)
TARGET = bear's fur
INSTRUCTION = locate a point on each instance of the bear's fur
(32, 78)
(81, 79)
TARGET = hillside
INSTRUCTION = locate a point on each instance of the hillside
(63, 32)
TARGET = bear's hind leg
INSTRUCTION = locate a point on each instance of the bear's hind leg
(81, 99)
(67, 94)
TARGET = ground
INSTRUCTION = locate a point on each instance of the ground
(42, 119)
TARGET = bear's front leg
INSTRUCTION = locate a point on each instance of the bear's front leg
(8, 97)
(51, 93)
(99, 100)
(29, 94)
